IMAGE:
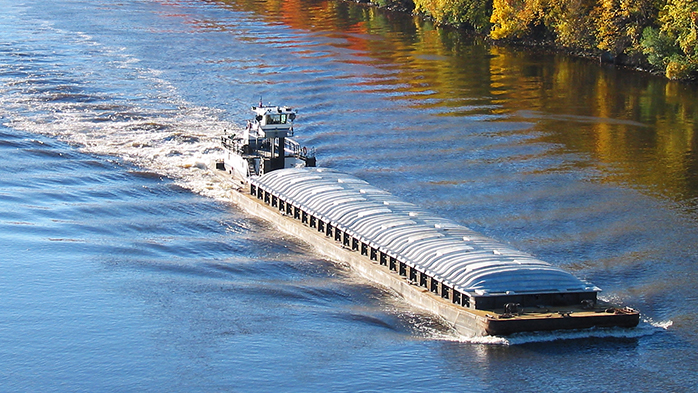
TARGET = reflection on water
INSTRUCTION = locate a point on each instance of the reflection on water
(637, 129)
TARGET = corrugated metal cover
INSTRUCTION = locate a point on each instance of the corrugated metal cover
(449, 252)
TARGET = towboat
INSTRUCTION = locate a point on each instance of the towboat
(476, 284)
(265, 144)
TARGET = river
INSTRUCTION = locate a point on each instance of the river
(124, 268)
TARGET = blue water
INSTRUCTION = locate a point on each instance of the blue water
(123, 266)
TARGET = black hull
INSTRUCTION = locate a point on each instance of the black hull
(625, 318)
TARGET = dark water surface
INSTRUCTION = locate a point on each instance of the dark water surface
(123, 268)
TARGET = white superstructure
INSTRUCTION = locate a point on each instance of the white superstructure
(265, 144)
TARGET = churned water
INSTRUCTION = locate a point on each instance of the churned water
(123, 267)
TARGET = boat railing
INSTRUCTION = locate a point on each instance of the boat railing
(231, 142)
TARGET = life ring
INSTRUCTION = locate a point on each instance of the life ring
(305, 151)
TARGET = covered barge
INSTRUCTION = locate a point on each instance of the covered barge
(483, 287)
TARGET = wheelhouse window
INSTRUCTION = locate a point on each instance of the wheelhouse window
(279, 118)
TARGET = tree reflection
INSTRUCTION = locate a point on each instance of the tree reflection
(636, 129)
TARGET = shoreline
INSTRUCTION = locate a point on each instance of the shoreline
(638, 62)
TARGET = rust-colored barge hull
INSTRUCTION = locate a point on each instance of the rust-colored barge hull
(612, 317)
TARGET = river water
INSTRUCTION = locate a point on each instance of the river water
(123, 267)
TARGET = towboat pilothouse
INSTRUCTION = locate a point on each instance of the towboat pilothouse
(265, 144)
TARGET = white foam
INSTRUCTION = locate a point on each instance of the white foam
(665, 325)
(644, 329)
(143, 120)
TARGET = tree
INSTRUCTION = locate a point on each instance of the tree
(515, 18)
(672, 48)
(473, 13)
(620, 24)
(572, 22)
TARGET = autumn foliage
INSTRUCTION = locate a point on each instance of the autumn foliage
(661, 33)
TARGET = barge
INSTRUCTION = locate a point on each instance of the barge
(476, 284)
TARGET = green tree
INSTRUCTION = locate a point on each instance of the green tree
(571, 22)
(672, 48)
(473, 13)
